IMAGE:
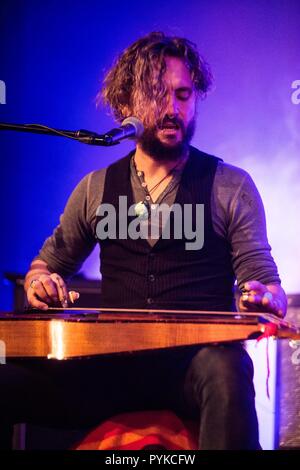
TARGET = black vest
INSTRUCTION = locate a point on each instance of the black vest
(134, 274)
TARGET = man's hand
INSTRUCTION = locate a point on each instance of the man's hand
(49, 289)
(264, 298)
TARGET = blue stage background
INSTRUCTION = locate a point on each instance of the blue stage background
(53, 57)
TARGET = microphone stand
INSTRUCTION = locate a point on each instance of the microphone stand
(84, 136)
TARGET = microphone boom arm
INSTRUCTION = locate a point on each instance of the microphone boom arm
(84, 136)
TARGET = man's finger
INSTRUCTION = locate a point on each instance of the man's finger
(50, 287)
(37, 289)
(254, 298)
(61, 289)
(246, 306)
(272, 305)
(35, 303)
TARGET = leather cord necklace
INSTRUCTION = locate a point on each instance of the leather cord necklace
(165, 177)
(142, 208)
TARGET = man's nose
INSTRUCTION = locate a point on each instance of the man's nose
(172, 106)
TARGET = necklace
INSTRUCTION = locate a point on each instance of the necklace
(149, 191)
(165, 177)
(142, 208)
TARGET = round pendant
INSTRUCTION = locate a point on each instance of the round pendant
(141, 209)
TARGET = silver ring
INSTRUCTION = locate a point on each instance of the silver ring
(268, 295)
(31, 283)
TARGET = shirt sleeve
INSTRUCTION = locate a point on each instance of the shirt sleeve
(239, 216)
(73, 239)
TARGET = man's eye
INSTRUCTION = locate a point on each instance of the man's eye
(183, 95)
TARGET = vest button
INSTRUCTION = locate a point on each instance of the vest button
(149, 301)
(151, 277)
(151, 254)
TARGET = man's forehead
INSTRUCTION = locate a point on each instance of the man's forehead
(177, 73)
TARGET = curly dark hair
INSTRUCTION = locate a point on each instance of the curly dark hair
(134, 85)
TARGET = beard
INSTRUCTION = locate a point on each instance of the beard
(161, 151)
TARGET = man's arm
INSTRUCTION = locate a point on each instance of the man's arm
(62, 254)
(240, 217)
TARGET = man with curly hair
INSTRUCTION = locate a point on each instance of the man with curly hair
(160, 80)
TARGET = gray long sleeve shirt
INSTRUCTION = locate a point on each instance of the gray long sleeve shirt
(237, 215)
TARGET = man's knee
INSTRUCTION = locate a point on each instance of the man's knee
(219, 358)
(220, 367)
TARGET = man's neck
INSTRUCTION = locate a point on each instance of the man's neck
(151, 166)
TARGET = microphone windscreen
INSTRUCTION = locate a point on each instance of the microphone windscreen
(136, 123)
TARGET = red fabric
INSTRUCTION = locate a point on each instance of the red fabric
(135, 431)
(271, 329)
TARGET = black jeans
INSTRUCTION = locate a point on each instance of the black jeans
(212, 384)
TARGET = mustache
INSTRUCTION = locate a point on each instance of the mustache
(171, 122)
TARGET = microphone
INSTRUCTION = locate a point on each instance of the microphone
(131, 128)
